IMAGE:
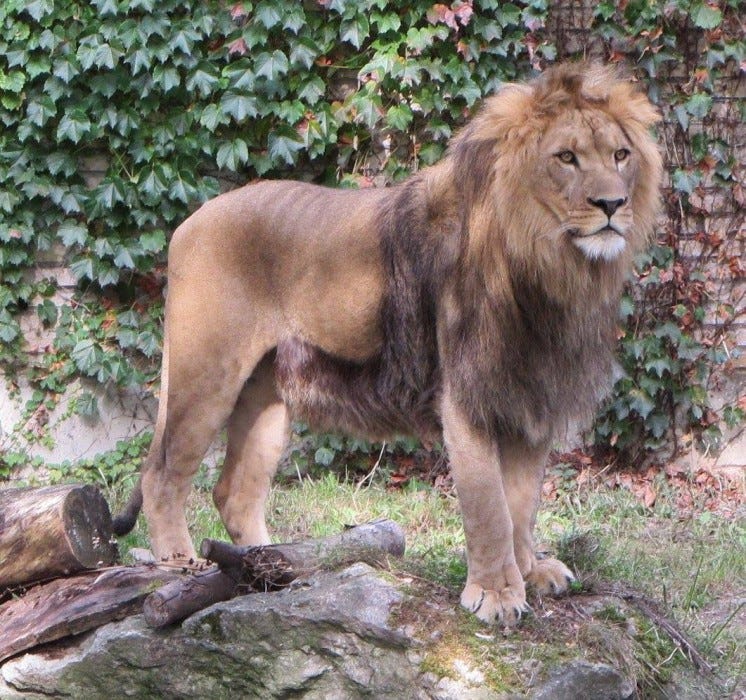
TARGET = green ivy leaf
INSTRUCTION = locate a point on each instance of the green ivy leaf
(37, 65)
(139, 60)
(283, 145)
(41, 110)
(706, 16)
(8, 200)
(240, 107)
(106, 275)
(47, 312)
(399, 117)
(699, 105)
(312, 91)
(386, 22)
(212, 116)
(109, 193)
(92, 54)
(267, 14)
(70, 232)
(182, 41)
(430, 153)
(9, 328)
(147, 343)
(73, 126)
(61, 162)
(123, 258)
(154, 185)
(368, 107)
(82, 269)
(626, 307)
(167, 77)
(657, 424)
(294, 19)
(685, 180)
(17, 57)
(659, 366)
(232, 154)
(152, 242)
(65, 68)
(303, 53)
(39, 8)
(271, 65)
(86, 405)
(640, 402)
(355, 31)
(289, 111)
(128, 318)
(107, 7)
(87, 356)
(178, 190)
(13, 81)
(508, 14)
(324, 456)
(204, 80)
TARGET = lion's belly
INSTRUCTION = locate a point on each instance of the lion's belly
(358, 399)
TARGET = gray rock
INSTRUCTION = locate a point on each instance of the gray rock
(331, 638)
(335, 636)
(580, 679)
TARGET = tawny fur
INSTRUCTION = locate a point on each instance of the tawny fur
(476, 301)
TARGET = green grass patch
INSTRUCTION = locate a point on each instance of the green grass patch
(692, 565)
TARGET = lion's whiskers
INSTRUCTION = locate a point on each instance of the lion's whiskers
(556, 232)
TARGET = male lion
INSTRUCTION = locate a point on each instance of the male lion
(476, 301)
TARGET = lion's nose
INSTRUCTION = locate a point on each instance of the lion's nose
(608, 206)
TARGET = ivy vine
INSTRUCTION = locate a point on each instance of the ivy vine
(121, 116)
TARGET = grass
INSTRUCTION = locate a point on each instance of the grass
(691, 564)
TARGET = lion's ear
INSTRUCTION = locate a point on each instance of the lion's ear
(632, 105)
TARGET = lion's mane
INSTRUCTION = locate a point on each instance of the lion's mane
(525, 336)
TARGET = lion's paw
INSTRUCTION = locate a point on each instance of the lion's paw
(504, 607)
(550, 577)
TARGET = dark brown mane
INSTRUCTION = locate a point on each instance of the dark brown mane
(394, 392)
(527, 344)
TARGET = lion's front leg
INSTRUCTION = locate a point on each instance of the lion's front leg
(494, 589)
(522, 467)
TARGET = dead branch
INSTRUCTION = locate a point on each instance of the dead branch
(264, 568)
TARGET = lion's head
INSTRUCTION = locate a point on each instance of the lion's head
(567, 164)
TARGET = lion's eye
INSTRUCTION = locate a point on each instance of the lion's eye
(621, 154)
(567, 157)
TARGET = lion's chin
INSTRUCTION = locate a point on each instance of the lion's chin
(606, 244)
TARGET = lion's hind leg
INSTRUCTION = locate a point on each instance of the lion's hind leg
(196, 419)
(523, 472)
(258, 431)
(199, 398)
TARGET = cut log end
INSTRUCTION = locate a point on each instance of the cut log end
(88, 527)
(52, 531)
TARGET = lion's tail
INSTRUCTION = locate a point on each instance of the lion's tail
(125, 520)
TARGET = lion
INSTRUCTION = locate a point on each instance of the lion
(474, 302)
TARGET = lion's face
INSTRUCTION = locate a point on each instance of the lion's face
(561, 172)
(587, 167)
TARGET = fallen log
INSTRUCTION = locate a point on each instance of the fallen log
(251, 569)
(52, 531)
(68, 606)
(180, 598)
(278, 564)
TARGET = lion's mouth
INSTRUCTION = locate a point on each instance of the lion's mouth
(605, 243)
(604, 230)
